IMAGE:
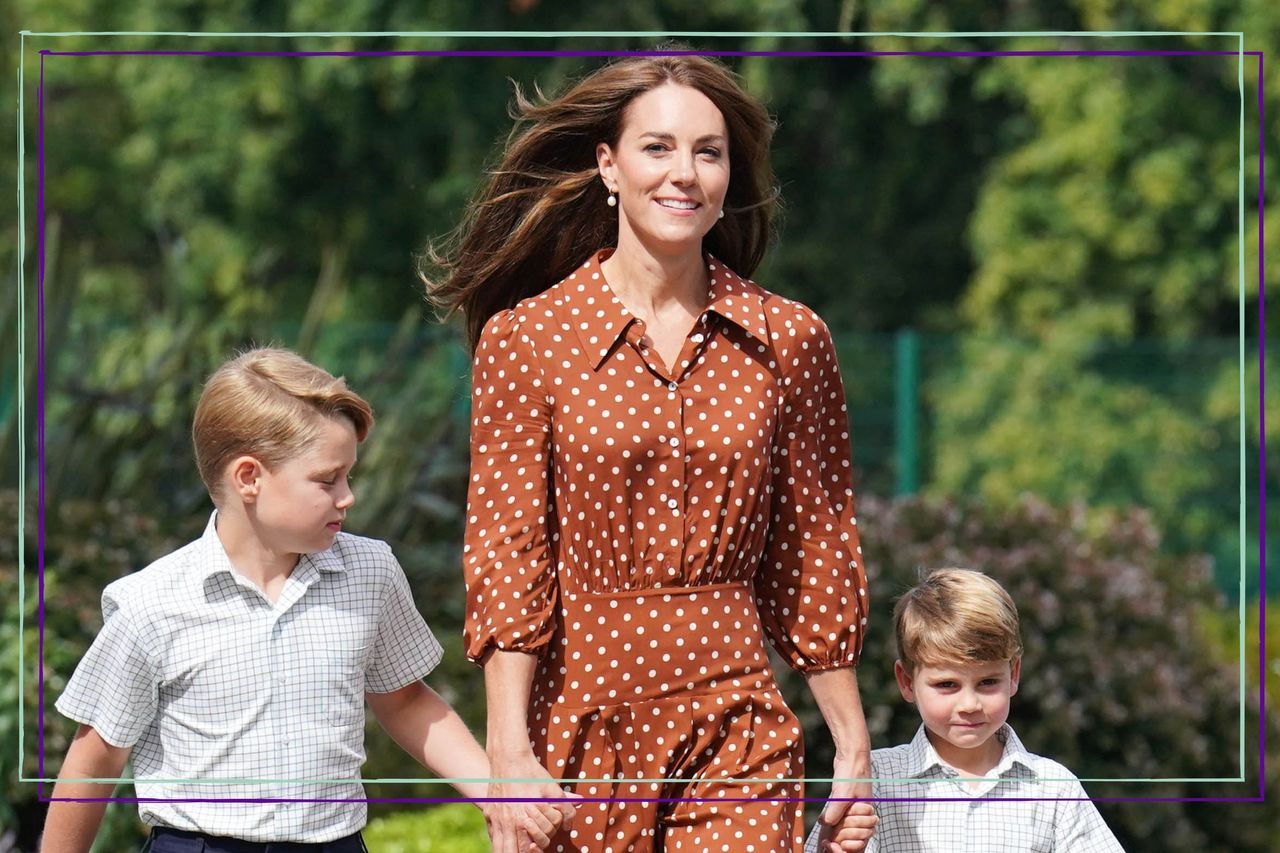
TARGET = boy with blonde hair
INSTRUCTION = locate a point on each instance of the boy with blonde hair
(959, 662)
(235, 670)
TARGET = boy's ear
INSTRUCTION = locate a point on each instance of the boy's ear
(1015, 672)
(904, 681)
(245, 473)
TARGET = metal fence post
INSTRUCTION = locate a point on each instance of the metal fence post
(906, 443)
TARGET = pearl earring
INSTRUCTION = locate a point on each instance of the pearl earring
(612, 200)
(721, 216)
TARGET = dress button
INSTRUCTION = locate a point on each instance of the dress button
(673, 503)
(675, 441)
(671, 386)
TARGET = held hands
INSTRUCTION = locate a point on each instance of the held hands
(846, 827)
(525, 827)
(851, 834)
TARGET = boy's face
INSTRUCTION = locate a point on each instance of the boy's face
(961, 704)
(300, 505)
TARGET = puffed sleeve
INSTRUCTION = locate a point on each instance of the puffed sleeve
(811, 589)
(511, 584)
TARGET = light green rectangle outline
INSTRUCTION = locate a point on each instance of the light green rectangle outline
(611, 34)
(22, 406)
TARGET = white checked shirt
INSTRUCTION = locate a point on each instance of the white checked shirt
(210, 682)
(979, 822)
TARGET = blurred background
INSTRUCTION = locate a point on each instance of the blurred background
(1029, 265)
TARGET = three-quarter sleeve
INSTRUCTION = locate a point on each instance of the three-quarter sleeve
(511, 584)
(811, 588)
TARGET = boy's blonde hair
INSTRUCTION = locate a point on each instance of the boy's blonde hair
(956, 616)
(268, 403)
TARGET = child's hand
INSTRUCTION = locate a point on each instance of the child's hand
(852, 832)
(526, 827)
(544, 821)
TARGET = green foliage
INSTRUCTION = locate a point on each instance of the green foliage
(1082, 207)
(1222, 628)
(452, 828)
(1056, 421)
(1105, 217)
(1120, 679)
(87, 545)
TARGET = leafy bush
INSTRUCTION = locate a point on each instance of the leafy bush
(451, 828)
(1119, 680)
(87, 545)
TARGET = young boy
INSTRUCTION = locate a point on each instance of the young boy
(959, 661)
(249, 654)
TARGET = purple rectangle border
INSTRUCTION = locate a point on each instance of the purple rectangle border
(1262, 493)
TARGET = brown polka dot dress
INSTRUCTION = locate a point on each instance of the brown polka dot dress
(643, 531)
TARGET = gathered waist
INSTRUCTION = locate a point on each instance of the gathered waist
(639, 645)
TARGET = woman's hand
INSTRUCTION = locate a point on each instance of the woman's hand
(518, 827)
(525, 827)
(852, 823)
(836, 691)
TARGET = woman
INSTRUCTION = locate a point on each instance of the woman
(660, 471)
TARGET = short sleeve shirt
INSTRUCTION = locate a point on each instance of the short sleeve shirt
(1026, 803)
(597, 468)
(208, 680)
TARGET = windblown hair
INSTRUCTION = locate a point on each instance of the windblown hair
(956, 616)
(269, 404)
(542, 210)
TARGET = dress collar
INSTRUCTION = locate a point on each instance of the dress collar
(599, 318)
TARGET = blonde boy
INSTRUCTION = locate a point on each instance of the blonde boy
(249, 654)
(959, 662)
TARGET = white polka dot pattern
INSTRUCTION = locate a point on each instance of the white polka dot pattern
(594, 470)
(642, 529)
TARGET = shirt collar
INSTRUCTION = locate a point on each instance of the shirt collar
(923, 759)
(738, 301)
(1014, 753)
(599, 318)
(211, 556)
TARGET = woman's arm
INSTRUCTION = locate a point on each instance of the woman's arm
(508, 678)
(71, 827)
(836, 691)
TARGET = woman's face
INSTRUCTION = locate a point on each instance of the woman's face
(670, 169)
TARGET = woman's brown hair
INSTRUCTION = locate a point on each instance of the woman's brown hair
(542, 210)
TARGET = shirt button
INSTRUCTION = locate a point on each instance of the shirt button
(675, 441)
(673, 503)
(671, 386)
